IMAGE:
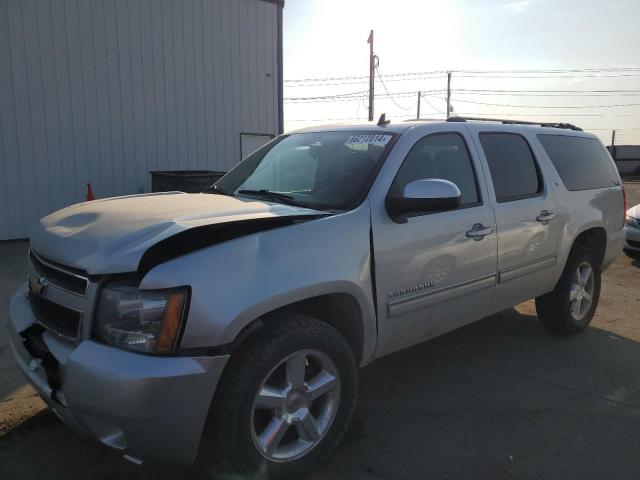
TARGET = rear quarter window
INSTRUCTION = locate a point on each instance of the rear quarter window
(583, 163)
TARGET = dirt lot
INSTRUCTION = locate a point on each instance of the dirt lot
(502, 398)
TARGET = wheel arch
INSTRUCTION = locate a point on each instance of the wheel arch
(592, 235)
(341, 310)
(594, 238)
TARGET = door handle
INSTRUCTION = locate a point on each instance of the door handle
(545, 216)
(479, 231)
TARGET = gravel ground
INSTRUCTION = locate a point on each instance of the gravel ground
(501, 398)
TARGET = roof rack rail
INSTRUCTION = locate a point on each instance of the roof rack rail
(567, 126)
(413, 120)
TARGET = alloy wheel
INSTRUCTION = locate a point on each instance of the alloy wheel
(581, 294)
(295, 406)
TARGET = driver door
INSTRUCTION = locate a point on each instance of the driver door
(433, 273)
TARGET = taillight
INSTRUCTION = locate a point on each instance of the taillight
(624, 210)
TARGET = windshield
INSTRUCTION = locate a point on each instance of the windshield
(321, 170)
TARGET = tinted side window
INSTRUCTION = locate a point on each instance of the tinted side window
(513, 168)
(443, 156)
(581, 162)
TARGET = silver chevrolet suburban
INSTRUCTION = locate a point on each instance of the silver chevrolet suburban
(231, 324)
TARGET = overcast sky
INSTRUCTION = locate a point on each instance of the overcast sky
(328, 38)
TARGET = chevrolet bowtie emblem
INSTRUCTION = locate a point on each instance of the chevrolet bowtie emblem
(37, 285)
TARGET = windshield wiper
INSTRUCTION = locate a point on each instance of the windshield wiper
(282, 197)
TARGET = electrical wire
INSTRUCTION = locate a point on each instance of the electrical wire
(555, 70)
(389, 94)
(324, 97)
(520, 94)
(356, 77)
(430, 104)
(543, 106)
(364, 81)
(622, 71)
(355, 96)
(544, 91)
(569, 76)
(566, 115)
(339, 119)
(463, 91)
(586, 73)
(616, 129)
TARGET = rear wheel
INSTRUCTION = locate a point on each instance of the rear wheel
(570, 307)
(285, 400)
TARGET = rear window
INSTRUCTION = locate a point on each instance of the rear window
(582, 163)
(513, 169)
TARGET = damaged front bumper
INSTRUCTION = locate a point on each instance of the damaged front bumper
(150, 408)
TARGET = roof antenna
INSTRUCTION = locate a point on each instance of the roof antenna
(382, 121)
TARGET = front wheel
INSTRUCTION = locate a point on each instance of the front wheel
(570, 307)
(285, 400)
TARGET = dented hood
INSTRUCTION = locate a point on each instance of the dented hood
(111, 235)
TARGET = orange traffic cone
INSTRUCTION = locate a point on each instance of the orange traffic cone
(90, 195)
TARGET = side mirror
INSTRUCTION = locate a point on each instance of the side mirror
(422, 196)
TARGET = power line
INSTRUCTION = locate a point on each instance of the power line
(328, 100)
(341, 119)
(544, 91)
(417, 77)
(323, 97)
(391, 97)
(322, 79)
(556, 70)
(566, 115)
(468, 91)
(570, 76)
(458, 75)
(364, 81)
(546, 106)
(616, 129)
(622, 70)
(431, 105)
(358, 77)
(556, 94)
(354, 96)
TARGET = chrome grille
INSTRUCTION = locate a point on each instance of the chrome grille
(64, 277)
(58, 318)
(60, 296)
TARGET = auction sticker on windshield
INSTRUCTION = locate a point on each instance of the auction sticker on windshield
(368, 139)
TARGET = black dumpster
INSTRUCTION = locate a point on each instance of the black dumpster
(190, 181)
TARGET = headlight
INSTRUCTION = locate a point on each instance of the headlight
(141, 320)
(632, 222)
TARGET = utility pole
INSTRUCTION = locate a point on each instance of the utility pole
(418, 113)
(371, 72)
(613, 144)
(448, 94)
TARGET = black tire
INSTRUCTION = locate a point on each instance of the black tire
(228, 433)
(554, 308)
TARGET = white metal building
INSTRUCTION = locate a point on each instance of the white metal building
(103, 91)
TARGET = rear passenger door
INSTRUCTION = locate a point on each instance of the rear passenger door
(525, 211)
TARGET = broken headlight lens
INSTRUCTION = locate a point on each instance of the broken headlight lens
(146, 321)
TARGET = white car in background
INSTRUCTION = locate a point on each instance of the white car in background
(632, 230)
